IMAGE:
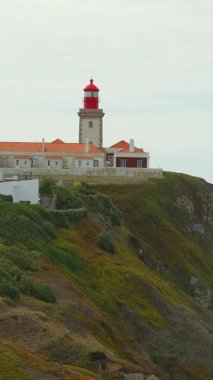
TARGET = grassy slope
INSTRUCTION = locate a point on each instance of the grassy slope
(137, 309)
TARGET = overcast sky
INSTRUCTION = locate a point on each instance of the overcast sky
(151, 59)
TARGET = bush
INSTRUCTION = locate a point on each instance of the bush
(67, 199)
(62, 351)
(115, 218)
(7, 289)
(62, 218)
(47, 186)
(97, 355)
(22, 223)
(105, 242)
(21, 258)
(98, 203)
(7, 198)
(42, 292)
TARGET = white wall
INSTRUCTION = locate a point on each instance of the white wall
(89, 163)
(21, 191)
(84, 163)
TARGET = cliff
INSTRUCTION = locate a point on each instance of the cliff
(115, 284)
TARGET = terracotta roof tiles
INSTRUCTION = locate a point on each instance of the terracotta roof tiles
(124, 147)
(49, 147)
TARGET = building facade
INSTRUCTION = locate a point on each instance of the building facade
(87, 153)
(126, 155)
(21, 191)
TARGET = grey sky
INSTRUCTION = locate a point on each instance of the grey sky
(151, 59)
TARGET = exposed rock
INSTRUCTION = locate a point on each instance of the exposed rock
(207, 205)
(185, 203)
(201, 292)
(196, 227)
(139, 376)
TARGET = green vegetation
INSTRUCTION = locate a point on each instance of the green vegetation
(9, 369)
(63, 351)
(84, 306)
(15, 263)
(105, 242)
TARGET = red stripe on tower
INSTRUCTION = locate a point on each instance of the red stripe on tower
(91, 96)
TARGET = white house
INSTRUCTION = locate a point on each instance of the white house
(21, 191)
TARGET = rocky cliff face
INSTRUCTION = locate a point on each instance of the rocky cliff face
(201, 219)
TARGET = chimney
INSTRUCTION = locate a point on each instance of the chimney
(87, 146)
(43, 145)
(131, 146)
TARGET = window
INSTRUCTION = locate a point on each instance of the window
(79, 163)
(122, 163)
(48, 163)
(17, 161)
(25, 162)
(95, 163)
(90, 124)
(56, 163)
(139, 163)
(91, 94)
(87, 163)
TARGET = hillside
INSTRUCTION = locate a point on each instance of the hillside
(116, 283)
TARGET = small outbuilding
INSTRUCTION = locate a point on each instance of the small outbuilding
(21, 191)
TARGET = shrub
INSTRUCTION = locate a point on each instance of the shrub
(67, 199)
(105, 242)
(84, 188)
(22, 223)
(97, 355)
(63, 257)
(7, 289)
(21, 258)
(47, 186)
(7, 198)
(103, 205)
(42, 292)
(62, 351)
(62, 218)
(115, 218)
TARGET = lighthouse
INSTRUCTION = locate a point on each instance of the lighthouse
(91, 117)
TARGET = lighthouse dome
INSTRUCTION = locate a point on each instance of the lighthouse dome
(91, 86)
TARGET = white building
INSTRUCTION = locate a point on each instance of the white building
(21, 191)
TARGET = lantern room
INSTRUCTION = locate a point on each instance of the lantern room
(91, 96)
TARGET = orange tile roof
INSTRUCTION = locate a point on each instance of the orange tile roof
(20, 146)
(121, 144)
(124, 147)
(136, 150)
(71, 148)
(57, 141)
(49, 147)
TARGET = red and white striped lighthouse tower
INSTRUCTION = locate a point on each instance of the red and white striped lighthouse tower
(91, 96)
(90, 122)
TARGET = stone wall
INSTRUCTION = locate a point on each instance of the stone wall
(87, 174)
